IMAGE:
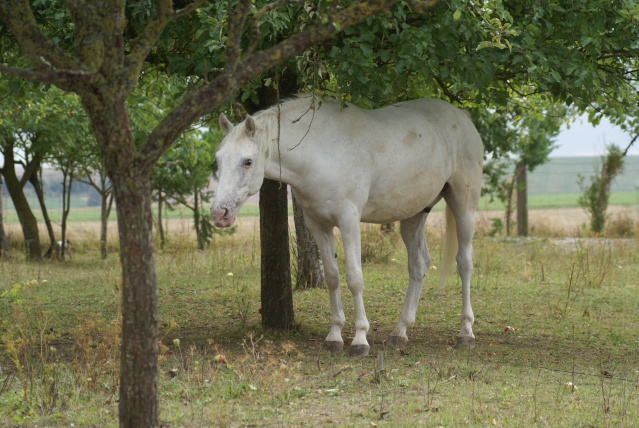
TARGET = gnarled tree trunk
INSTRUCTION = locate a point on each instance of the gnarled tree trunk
(27, 219)
(310, 271)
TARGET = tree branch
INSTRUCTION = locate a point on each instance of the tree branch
(625, 152)
(60, 77)
(451, 96)
(18, 16)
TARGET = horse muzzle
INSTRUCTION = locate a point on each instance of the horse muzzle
(222, 217)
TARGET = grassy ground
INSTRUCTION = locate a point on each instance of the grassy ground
(557, 331)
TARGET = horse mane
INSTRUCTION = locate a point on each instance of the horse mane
(267, 121)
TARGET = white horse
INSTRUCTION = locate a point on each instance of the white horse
(346, 165)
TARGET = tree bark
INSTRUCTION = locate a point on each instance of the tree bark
(277, 295)
(160, 225)
(521, 171)
(310, 271)
(105, 210)
(5, 249)
(138, 403)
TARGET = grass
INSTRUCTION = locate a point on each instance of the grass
(569, 359)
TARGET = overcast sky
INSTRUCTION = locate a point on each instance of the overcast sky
(582, 139)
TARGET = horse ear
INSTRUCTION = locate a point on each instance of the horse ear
(225, 124)
(249, 123)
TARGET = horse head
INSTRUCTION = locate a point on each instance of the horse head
(240, 162)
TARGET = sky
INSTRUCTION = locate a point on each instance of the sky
(582, 139)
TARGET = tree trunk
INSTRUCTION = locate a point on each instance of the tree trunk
(5, 250)
(277, 295)
(67, 184)
(138, 403)
(509, 204)
(28, 221)
(129, 173)
(196, 220)
(521, 171)
(36, 182)
(310, 271)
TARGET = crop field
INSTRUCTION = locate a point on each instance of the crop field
(556, 326)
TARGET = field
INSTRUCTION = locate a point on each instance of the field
(556, 326)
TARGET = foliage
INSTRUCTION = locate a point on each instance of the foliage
(596, 192)
(182, 176)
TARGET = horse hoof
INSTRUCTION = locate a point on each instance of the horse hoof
(465, 342)
(397, 342)
(333, 346)
(358, 350)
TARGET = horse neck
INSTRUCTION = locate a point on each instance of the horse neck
(284, 164)
(286, 159)
(278, 166)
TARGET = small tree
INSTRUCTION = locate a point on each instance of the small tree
(596, 193)
(529, 126)
(95, 175)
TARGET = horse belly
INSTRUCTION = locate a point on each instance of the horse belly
(394, 200)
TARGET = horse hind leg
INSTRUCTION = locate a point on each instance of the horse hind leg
(464, 223)
(412, 230)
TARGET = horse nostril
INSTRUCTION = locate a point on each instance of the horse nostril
(226, 213)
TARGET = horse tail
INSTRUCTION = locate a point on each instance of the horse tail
(449, 248)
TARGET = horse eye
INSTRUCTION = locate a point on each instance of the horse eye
(248, 162)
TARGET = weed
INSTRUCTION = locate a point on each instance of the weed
(621, 225)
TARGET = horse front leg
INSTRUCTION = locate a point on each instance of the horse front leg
(351, 240)
(412, 230)
(325, 241)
